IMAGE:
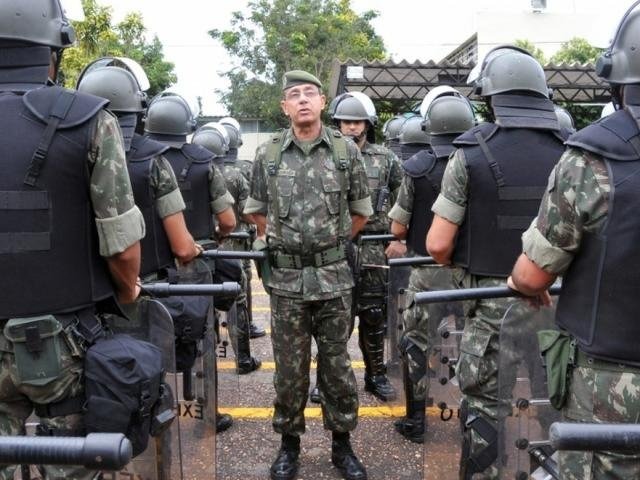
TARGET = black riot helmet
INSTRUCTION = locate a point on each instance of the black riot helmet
(233, 129)
(620, 63)
(508, 68)
(169, 114)
(211, 139)
(117, 85)
(41, 22)
(412, 132)
(449, 114)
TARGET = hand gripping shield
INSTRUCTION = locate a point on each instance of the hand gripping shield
(524, 450)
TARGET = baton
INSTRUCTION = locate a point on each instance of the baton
(96, 451)
(238, 236)
(411, 261)
(437, 296)
(223, 290)
(384, 237)
(233, 254)
(595, 436)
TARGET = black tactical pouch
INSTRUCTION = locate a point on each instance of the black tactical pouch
(558, 351)
(125, 389)
(226, 270)
(36, 347)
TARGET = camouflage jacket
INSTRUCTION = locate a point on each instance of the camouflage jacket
(382, 168)
(165, 185)
(403, 208)
(308, 189)
(576, 201)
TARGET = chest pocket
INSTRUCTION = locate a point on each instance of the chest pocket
(284, 184)
(373, 177)
(331, 189)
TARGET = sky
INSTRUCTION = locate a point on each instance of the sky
(411, 29)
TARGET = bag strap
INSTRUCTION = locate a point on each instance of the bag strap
(274, 157)
(340, 159)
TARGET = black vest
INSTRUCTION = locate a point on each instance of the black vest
(426, 170)
(49, 252)
(600, 297)
(156, 250)
(192, 164)
(506, 183)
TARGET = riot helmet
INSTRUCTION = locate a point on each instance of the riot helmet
(355, 106)
(564, 118)
(233, 129)
(508, 68)
(433, 94)
(117, 85)
(212, 140)
(169, 114)
(412, 132)
(449, 115)
(620, 63)
(391, 128)
(41, 22)
(127, 64)
(220, 129)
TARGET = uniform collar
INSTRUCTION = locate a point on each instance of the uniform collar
(325, 136)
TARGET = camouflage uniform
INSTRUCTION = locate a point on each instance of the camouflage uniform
(477, 366)
(169, 200)
(119, 224)
(576, 202)
(312, 301)
(416, 318)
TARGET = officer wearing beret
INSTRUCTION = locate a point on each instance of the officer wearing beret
(309, 196)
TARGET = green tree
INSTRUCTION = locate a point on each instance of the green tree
(280, 35)
(99, 37)
(576, 50)
(530, 47)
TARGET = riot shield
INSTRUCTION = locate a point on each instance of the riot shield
(443, 331)
(397, 286)
(150, 321)
(523, 433)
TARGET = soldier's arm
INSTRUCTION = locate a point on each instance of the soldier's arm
(170, 205)
(119, 222)
(575, 202)
(402, 210)
(221, 202)
(256, 206)
(360, 206)
(449, 210)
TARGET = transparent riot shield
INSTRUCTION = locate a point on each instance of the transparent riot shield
(195, 386)
(397, 286)
(150, 321)
(523, 433)
(444, 328)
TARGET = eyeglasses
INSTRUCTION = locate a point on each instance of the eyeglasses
(297, 94)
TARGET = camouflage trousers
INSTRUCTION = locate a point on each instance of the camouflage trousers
(239, 326)
(294, 322)
(371, 283)
(601, 396)
(17, 404)
(420, 322)
(477, 368)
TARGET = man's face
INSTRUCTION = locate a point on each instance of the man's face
(353, 128)
(303, 104)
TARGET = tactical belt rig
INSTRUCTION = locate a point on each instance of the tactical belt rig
(326, 256)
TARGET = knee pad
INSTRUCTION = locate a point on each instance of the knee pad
(472, 462)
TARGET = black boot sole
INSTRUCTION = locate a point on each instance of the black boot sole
(344, 475)
(381, 396)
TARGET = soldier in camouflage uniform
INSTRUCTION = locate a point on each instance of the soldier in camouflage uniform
(586, 231)
(490, 190)
(238, 187)
(445, 118)
(244, 167)
(356, 118)
(309, 195)
(87, 194)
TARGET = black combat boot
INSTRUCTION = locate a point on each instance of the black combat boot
(371, 341)
(223, 422)
(246, 363)
(314, 396)
(256, 331)
(285, 466)
(344, 459)
(412, 425)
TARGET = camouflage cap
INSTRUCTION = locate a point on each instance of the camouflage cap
(298, 77)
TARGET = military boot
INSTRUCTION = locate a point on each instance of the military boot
(371, 341)
(412, 426)
(246, 363)
(285, 466)
(256, 331)
(223, 422)
(314, 396)
(344, 459)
